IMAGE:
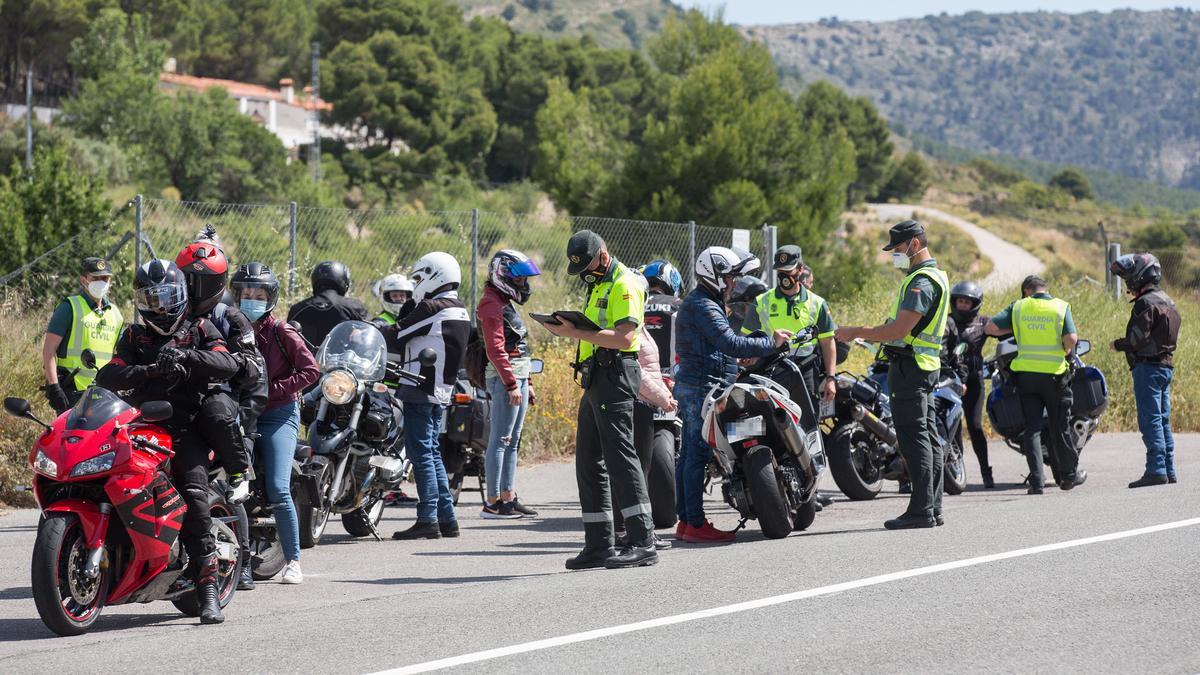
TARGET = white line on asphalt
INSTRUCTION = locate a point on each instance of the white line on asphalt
(599, 633)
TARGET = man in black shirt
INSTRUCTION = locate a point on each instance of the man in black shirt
(328, 305)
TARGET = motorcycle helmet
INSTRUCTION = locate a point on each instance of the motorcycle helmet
(257, 275)
(206, 270)
(747, 289)
(662, 276)
(970, 291)
(393, 291)
(331, 275)
(747, 263)
(714, 265)
(433, 273)
(1138, 270)
(160, 293)
(509, 273)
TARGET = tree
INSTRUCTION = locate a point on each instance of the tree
(1161, 236)
(582, 149)
(1073, 182)
(42, 208)
(867, 129)
(908, 181)
(248, 40)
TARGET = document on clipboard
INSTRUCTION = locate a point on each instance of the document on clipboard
(577, 319)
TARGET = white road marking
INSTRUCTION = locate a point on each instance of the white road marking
(599, 633)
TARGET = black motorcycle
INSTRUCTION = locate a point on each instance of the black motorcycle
(355, 451)
(466, 429)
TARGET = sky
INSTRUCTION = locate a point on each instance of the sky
(748, 12)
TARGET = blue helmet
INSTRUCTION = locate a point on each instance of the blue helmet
(664, 274)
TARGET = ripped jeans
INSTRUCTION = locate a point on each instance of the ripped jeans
(500, 462)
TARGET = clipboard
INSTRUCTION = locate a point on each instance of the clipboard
(575, 318)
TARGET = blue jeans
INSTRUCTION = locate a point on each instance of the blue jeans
(421, 424)
(694, 456)
(276, 446)
(500, 462)
(1152, 393)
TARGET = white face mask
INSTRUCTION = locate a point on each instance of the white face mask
(900, 260)
(97, 288)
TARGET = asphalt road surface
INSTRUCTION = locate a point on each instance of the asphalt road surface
(1099, 579)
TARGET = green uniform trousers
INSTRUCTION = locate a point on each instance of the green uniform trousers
(604, 452)
(916, 431)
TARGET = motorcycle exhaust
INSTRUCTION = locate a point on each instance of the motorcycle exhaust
(873, 424)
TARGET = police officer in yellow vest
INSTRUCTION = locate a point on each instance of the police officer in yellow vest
(82, 321)
(912, 343)
(791, 306)
(1045, 334)
(611, 378)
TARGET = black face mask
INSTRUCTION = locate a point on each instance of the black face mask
(787, 282)
(591, 277)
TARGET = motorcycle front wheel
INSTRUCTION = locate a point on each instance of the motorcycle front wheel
(266, 557)
(804, 516)
(67, 600)
(852, 464)
(955, 479)
(356, 525)
(770, 506)
(312, 519)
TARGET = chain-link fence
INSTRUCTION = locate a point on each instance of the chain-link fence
(292, 239)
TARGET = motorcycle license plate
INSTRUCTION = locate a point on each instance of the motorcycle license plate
(750, 427)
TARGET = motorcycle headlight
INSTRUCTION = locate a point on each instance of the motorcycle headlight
(45, 466)
(95, 465)
(339, 387)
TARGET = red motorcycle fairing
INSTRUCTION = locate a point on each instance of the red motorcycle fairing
(152, 512)
(93, 523)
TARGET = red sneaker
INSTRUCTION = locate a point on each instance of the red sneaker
(707, 534)
(680, 528)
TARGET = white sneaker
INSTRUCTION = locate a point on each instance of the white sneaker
(292, 574)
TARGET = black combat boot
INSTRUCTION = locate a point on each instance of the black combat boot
(988, 481)
(206, 590)
(246, 581)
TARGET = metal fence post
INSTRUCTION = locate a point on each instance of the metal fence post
(137, 232)
(691, 254)
(292, 250)
(1114, 252)
(771, 242)
(474, 258)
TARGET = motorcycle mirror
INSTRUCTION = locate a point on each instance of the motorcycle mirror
(536, 366)
(17, 407)
(157, 411)
(88, 357)
(1083, 347)
(427, 357)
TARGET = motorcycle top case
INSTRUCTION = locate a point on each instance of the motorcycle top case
(1089, 391)
(1004, 410)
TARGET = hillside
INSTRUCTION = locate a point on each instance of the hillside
(611, 23)
(1116, 91)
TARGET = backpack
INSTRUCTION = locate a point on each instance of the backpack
(476, 360)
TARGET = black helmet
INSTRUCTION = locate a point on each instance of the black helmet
(1138, 270)
(160, 294)
(258, 275)
(331, 274)
(971, 291)
(746, 289)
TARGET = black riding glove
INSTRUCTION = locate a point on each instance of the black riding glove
(57, 398)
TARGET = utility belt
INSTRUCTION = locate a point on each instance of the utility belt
(601, 358)
(892, 353)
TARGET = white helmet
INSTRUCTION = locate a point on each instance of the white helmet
(748, 263)
(434, 272)
(714, 264)
(388, 284)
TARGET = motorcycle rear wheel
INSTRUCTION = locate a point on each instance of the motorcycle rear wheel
(850, 464)
(804, 516)
(266, 558)
(769, 504)
(68, 602)
(661, 479)
(955, 473)
(228, 574)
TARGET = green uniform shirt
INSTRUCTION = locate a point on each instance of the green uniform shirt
(616, 299)
(796, 313)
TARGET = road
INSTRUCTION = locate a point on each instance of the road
(1010, 263)
(1012, 583)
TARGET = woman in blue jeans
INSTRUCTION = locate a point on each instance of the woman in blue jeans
(290, 368)
(506, 340)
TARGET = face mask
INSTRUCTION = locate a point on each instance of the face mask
(787, 282)
(900, 260)
(593, 276)
(97, 289)
(253, 309)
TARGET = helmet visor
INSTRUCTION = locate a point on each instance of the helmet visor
(163, 298)
(523, 268)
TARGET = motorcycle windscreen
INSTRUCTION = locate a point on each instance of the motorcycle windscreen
(356, 346)
(96, 407)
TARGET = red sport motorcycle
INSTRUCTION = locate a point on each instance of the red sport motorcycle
(109, 532)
